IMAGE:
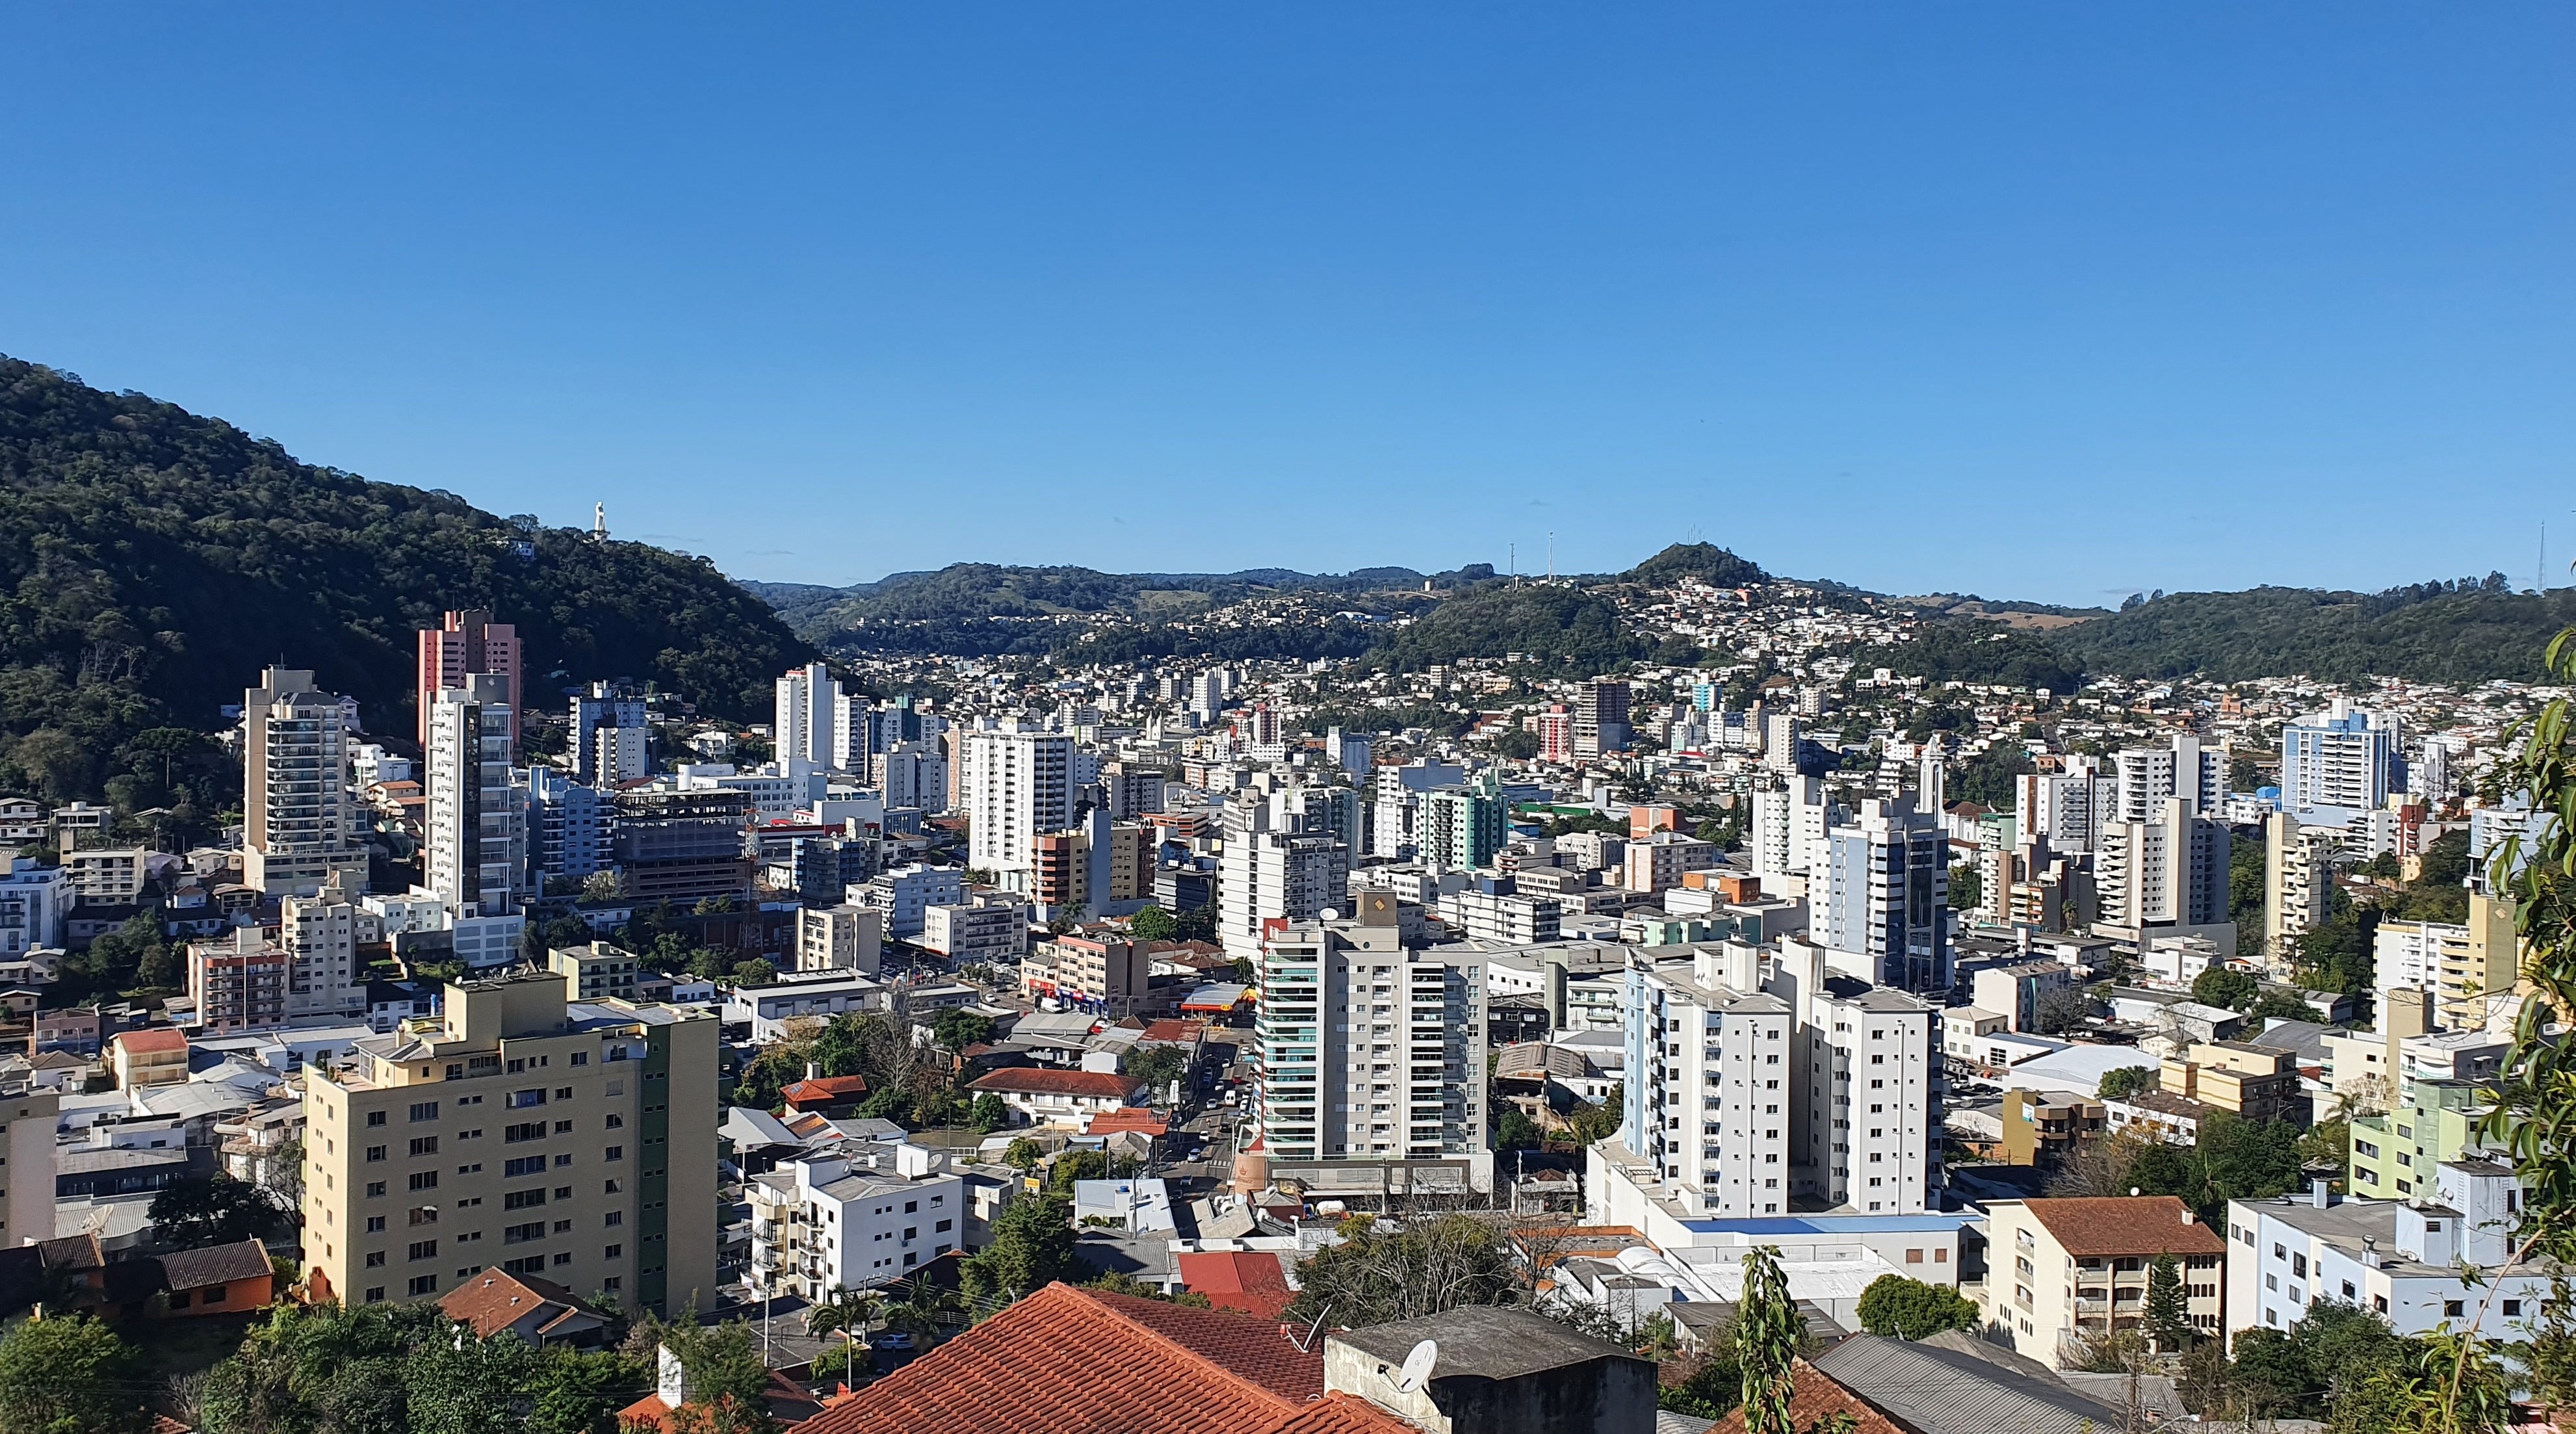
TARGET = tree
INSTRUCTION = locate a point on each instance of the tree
(1156, 1066)
(1592, 1124)
(1153, 924)
(1965, 886)
(1023, 1154)
(1032, 1246)
(754, 972)
(956, 1028)
(2062, 1010)
(2283, 1004)
(2168, 1314)
(195, 1211)
(728, 1381)
(1911, 1309)
(1517, 744)
(989, 1113)
(847, 1312)
(1516, 1131)
(2225, 987)
(1767, 1332)
(1379, 1275)
(604, 886)
(68, 1375)
(2127, 1081)
(456, 1385)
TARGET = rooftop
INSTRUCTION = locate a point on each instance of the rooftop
(2125, 1225)
(1484, 1342)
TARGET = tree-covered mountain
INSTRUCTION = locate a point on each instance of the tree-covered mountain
(1705, 561)
(153, 561)
(1566, 629)
(2463, 632)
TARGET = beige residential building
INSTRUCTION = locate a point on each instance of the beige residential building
(566, 1140)
(2059, 1272)
(27, 1117)
(2298, 883)
(595, 970)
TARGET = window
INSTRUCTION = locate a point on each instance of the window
(375, 1188)
(563, 1257)
(424, 1145)
(523, 1199)
(563, 1127)
(531, 1130)
(423, 1250)
(375, 1224)
(375, 1153)
(526, 1265)
(424, 1110)
(615, 1152)
(525, 1099)
(1914, 1257)
(581, 1058)
(2512, 1308)
(2453, 1309)
(614, 1217)
(521, 1234)
(524, 1165)
(424, 1284)
(375, 1259)
(375, 1117)
(615, 1252)
(424, 1180)
(375, 1294)
(423, 1215)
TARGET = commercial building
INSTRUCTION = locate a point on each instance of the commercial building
(915, 774)
(682, 846)
(1601, 718)
(798, 997)
(1503, 918)
(299, 821)
(476, 840)
(853, 1218)
(1659, 862)
(992, 928)
(2062, 1272)
(1105, 972)
(554, 1138)
(1372, 1056)
(462, 646)
(1017, 787)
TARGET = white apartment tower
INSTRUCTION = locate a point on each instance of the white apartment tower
(1710, 1060)
(2338, 764)
(477, 838)
(2181, 768)
(610, 741)
(2298, 882)
(1887, 894)
(1789, 823)
(2066, 808)
(815, 723)
(1284, 860)
(299, 818)
(1018, 787)
(1370, 1052)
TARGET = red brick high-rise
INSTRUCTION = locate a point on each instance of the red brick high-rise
(467, 642)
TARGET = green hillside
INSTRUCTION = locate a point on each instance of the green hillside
(154, 561)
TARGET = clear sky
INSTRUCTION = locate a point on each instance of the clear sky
(2046, 301)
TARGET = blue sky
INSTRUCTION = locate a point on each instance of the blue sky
(2042, 300)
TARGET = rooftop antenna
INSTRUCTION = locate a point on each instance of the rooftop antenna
(2543, 579)
(1515, 550)
(1417, 1366)
(1551, 555)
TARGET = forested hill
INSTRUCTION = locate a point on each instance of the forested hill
(156, 560)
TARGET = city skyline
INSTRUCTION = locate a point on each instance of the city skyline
(1126, 287)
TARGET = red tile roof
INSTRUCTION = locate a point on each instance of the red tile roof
(1247, 1280)
(1034, 1080)
(1342, 1414)
(1127, 1117)
(1079, 1361)
(153, 1040)
(824, 1090)
(1812, 1396)
(1169, 1032)
(2126, 1225)
(495, 1300)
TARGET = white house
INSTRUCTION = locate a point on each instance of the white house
(853, 1218)
(1058, 1097)
(2398, 1258)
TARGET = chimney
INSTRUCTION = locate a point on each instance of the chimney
(2187, 1217)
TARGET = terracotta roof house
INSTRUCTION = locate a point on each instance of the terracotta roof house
(788, 1404)
(1076, 1361)
(826, 1095)
(1058, 1096)
(1812, 1397)
(536, 1310)
(219, 1279)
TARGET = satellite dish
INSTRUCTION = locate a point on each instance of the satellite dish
(1417, 1366)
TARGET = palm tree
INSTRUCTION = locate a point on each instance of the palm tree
(848, 1311)
(925, 1313)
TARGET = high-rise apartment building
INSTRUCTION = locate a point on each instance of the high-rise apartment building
(1556, 735)
(476, 842)
(1601, 717)
(915, 774)
(1789, 823)
(1283, 861)
(681, 845)
(1887, 894)
(464, 644)
(2168, 869)
(554, 1138)
(1371, 1053)
(2065, 808)
(570, 824)
(817, 723)
(1018, 787)
(1709, 1096)
(1780, 741)
(2298, 883)
(2339, 763)
(611, 737)
(2181, 768)
(319, 935)
(238, 983)
(299, 820)
(1462, 829)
